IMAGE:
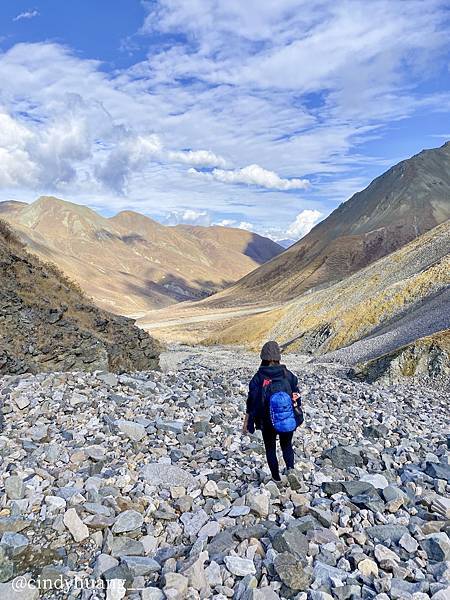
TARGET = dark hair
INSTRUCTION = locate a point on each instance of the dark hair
(268, 363)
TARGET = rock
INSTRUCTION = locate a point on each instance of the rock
(438, 471)
(375, 431)
(193, 522)
(15, 542)
(239, 511)
(14, 487)
(376, 479)
(108, 378)
(167, 475)
(141, 565)
(292, 573)
(176, 586)
(401, 588)
(386, 558)
(291, 540)
(437, 546)
(103, 563)
(173, 426)
(20, 588)
(14, 524)
(213, 574)
(127, 521)
(443, 594)
(197, 576)
(152, 593)
(368, 568)
(75, 525)
(240, 566)
(126, 546)
(210, 489)
(259, 504)
(133, 431)
(318, 595)
(383, 533)
(408, 543)
(344, 457)
(265, 593)
(327, 575)
(349, 592)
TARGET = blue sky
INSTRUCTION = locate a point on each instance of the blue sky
(259, 114)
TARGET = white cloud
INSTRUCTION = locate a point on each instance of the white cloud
(203, 158)
(254, 175)
(28, 14)
(297, 86)
(303, 223)
(188, 216)
(235, 223)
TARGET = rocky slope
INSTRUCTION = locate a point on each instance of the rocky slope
(426, 358)
(47, 324)
(130, 263)
(405, 294)
(406, 201)
(144, 482)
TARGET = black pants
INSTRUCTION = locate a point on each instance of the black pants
(270, 443)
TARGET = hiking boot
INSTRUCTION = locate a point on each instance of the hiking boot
(293, 480)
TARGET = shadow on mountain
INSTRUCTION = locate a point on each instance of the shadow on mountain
(260, 249)
(177, 288)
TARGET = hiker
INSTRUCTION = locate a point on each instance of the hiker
(273, 405)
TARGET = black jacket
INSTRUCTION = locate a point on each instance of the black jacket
(255, 409)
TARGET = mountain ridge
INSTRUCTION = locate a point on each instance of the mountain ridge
(130, 263)
(408, 199)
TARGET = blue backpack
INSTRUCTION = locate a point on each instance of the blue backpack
(278, 405)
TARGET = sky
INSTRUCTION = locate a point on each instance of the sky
(258, 114)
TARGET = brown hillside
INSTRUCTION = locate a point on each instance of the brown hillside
(409, 199)
(47, 324)
(129, 263)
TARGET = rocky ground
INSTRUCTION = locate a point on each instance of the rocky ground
(143, 483)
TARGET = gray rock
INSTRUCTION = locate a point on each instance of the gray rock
(14, 487)
(292, 573)
(126, 546)
(408, 543)
(152, 593)
(239, 566)
(141, 565)
(437, 546)
(75, 525)
(438, 471)
(383, 533)
(344, 457)
(13, 590)
(15, 542)
(167, 475)
(176, 585)
(127, 521)
(133, 431)
(193, 522)
(291, 540)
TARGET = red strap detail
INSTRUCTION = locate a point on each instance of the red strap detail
(267, 382)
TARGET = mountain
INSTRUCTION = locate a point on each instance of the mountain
(286, 242)
(129, 263)
(409, 199)
(48, 324)
(390, 303)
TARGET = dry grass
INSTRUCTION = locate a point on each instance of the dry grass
(8, 235)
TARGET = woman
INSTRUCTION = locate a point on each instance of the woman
(258, 416)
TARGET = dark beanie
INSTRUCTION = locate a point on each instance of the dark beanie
(270, 351)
